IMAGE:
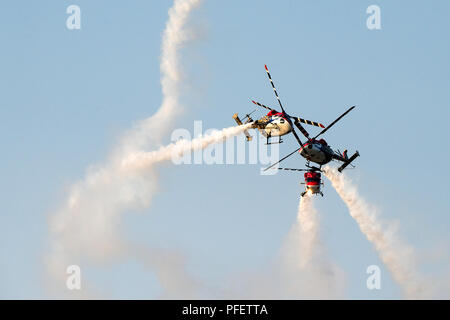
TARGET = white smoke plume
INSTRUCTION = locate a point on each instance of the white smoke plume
(398, 257)
(86, 226)
(302, 269)
(151, 131)
(142, 160)
(311, 275)
(169, 266)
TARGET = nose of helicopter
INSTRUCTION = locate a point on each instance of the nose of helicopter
(313, 189)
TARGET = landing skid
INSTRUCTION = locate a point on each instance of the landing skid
(304, 192)
(313, 167)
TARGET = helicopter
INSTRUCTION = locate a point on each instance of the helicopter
(313, 150)
(274, 123)
(313, 180)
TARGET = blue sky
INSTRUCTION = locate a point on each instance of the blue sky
(68, 95)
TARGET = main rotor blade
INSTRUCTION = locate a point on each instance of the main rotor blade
(293, 169)
(261, 105)
(325, 130)
(274, 90)
(296, 136)
(312, 123)
(300, 127)
(290, 154)
(282, 109)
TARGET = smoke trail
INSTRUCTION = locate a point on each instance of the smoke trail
(301, 269)
(86, 227)
(303, 239)
(396, 255)
(152, 130)
(310, 273)
(170, 269)
(308, 222)
(144, 159)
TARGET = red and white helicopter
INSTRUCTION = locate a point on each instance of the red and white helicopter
(275, 123)
(313, 180)
(313, 150)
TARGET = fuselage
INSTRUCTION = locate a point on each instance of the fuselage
(275, 125)
(312, 182)
(316, 151)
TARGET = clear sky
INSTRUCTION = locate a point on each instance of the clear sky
(68, 95)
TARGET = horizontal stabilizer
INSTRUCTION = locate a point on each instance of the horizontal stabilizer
(353, 157)
(236, 118)
(239, 122)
